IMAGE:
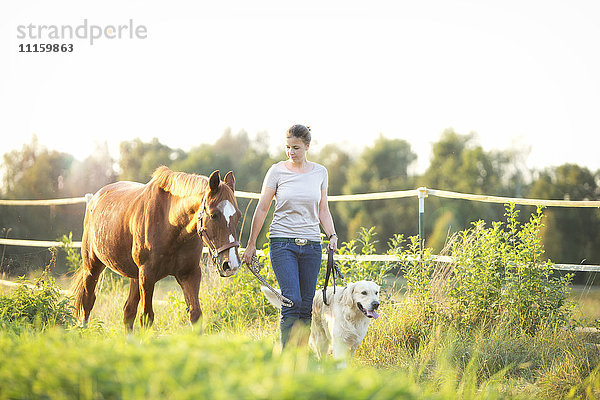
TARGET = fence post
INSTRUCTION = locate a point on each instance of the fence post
(422, 195)
(4, 249)
(88, 198)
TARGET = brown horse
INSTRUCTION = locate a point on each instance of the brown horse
(147, 232)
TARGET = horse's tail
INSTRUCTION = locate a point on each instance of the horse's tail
(78, 290)
(272, 297)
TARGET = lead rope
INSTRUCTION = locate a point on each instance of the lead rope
(255, 268)
(332, 270)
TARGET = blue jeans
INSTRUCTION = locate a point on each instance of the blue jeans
(297, 269)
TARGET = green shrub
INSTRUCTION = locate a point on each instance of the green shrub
(352, 267)
(417, 271)
(500, 275)
(38, 304)
(73, 254)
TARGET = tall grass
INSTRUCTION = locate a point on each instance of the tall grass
(545, 365)
(66, 365)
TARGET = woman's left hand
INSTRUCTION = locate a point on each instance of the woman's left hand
(333, 243)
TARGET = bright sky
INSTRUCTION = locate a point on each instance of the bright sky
(521, 74)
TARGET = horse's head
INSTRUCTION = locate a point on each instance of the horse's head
(217, 222)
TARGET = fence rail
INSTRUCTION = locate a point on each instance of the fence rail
(338, 257)
(398, 194)
(422, 193)
(516, 200)
(33, 243)
(53, 202)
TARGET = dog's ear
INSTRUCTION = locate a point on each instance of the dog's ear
(348, 295)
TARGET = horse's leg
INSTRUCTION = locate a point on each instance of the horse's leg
(131, 305)
(190, 284)
(84, 290)
(146, 284)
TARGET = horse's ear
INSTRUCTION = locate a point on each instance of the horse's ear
(214, 180)
(230, 180)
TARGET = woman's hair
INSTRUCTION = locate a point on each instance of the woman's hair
(299, 131)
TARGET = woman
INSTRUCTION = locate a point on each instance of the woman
(300, 190)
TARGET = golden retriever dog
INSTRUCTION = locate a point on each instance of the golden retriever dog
(340, 327)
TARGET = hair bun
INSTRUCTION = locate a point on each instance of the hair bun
(299, 131)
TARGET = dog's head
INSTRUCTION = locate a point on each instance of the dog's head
(364, 295)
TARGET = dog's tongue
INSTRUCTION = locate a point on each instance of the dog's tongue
(372, 314)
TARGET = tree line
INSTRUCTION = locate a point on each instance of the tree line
(458, 163)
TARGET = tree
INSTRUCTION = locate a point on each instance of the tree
(570, 235)
(89, 175)
(460, 165)
(338, 164)
(35, 173)
(382, 167)
(138, 160)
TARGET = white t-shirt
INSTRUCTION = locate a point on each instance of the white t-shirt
(297, 197)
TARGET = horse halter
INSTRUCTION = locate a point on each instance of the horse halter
(203, 233)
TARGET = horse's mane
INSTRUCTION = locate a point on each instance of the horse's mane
(179, 183)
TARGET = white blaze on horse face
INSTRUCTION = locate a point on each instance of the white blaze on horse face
(227, 209)
(233, 260)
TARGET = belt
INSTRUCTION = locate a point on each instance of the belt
(299, 242)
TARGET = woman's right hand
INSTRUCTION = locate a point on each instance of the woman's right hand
(260, 213)
(249, 254)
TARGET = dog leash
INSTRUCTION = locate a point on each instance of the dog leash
(332, 270)
(255, 268)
